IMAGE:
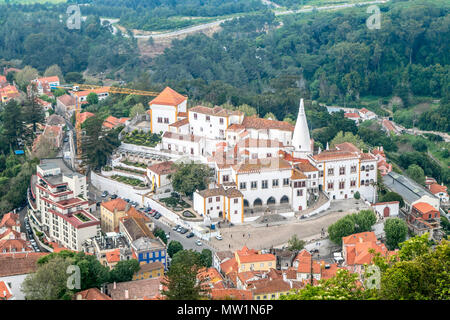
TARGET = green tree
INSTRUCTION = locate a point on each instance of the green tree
(344, 286)
(396, 231)
(74, 77)
(342, 137)
(49, 282)
(295, 244)
(33, 113)
(173, 248)
(181, 279)
(92, 98)
(54, 70)
(247, 110)
(341, 228)
(270, 115)
(416, 173)
(357, 195)
(98, 143)
(137, 109)
(12, 123)
(24, 76)
(392, 196)
(190, 177)
(206, 258)
(158, 232)
(364, 220)
(124, 271)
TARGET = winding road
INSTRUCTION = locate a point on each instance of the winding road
(209, 25)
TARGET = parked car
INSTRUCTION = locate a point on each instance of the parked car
(190, 235)
(176, 227)
(167, 236)
(127, 200)
(105, 194)
(184, 231)
(219, 237)
(157, 216)
(198, 242)
(114, 196)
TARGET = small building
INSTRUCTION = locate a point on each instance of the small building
(424, 218)
(7, 93)
(149, 270)
(227, 204)
(366, 114)
(159, 174)
(165, 109)
(65, 106)
(113, 122)
(387, 209)
(440, 191)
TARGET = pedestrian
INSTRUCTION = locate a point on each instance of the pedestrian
(229, 246)
(231, 235)
(243, 235)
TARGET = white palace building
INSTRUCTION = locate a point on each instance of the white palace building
(259, 163)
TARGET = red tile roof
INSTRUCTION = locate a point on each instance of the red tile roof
(254, 122)
(179, 123)
(437, 188)
(234, 294)
(113, 256)
(49, 79)
(424, 207)
(168, 97)
(10, 220)
(359, 237)
(14, 245)
(91, 294)
(12, 264)
(351, 115)
(5, 293)
(84, 116)
(117, 203)
(162, 168)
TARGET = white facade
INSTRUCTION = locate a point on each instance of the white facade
(387, 209)
(301, 140)
(182, 143)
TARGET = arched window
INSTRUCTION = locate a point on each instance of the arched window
(271, 200)
(284, 199)
(257, 202)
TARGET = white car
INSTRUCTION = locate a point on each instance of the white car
(219, 237)
(167, 236)
(198, 242)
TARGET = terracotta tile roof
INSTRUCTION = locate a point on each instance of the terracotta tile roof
(66, 100)
(168, 97)
(247, 275)
(179, 123)
(182, 114)
(84, 116)
(359, 237)
(236, 127)
(14, 245)
(329, 272)
(211, 276)
(12, 264)
(259, 165)
(137, 289)
(234, 294)
(266, 286)
(216, 111)
(10, 220)
(163, 168)
(91, 294)
(437, 188)
(137, 228)
(388, 125)
(55, 120)
(297, 175)
(117, 203)
(347, 146)
(49, 79)
(10, 234)
(87, 92)
(291, 273)
(113, 256)
(5, 292)
(367, 157)
(249, 258)
(306, 167)
(220, 191)
(149, 267)
(254, 122)
(334, 155)
(424, 207)
(229, 266)
(351, 115)
(363, 110)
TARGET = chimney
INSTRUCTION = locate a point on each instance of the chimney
(115, 285)
(126, 294)
(79, 297)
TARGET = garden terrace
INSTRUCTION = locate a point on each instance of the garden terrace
(142, 139)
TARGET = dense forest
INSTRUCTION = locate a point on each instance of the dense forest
(167, 14)
(36, 35)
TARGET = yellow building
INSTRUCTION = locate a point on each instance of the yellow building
(252, 260)
(149, 270)
(110, 212)
(273, 289)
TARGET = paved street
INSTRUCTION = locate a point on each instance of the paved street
(261, 237)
